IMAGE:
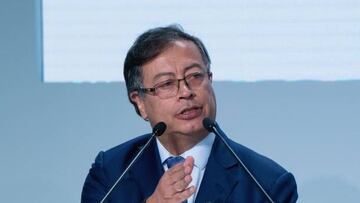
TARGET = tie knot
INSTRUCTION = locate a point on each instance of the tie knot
(173, 160)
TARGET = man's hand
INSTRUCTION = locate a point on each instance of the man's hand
(173, 185)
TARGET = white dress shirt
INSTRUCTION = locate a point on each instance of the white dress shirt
(200, 152)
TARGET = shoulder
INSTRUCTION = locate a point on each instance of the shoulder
(109, 164)
(107, 168)
(258, 162)
(273, 177)
(123, 152)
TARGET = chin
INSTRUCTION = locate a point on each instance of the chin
(192, 127)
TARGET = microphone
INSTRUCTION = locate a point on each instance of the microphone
(212, 126)
(158, 130)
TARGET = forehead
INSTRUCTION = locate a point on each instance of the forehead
(178, 58)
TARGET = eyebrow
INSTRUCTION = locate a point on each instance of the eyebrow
(193, 65)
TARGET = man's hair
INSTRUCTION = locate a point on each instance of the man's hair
(147, 47)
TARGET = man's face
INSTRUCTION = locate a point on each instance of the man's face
(184, 112)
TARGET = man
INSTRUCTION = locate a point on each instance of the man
(168, 79)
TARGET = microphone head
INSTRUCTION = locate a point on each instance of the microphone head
(209, 124)
(159, 128)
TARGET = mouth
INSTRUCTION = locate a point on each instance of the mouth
(189, 113)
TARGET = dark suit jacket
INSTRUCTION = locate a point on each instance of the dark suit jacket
(224, 179)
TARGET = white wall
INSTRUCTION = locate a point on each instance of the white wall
(248, 40)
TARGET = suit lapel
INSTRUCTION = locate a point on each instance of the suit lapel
(148, 170)
(217, 184)
(218, 181)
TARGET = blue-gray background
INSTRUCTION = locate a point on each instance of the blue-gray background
(51, 133)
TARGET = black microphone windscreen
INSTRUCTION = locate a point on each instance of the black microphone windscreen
(159, 128)
(208, 124)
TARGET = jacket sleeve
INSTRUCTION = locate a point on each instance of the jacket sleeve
(285, 189)
(102, 175)
(95, 185)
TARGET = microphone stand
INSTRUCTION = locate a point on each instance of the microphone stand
(212, 126)
(158, 130)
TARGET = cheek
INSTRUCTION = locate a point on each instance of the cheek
(211, 102)
(159, 110)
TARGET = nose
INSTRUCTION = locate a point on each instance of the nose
(184, 91)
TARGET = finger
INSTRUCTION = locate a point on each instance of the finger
(178, 174)
(189, 161)
(177, 167)
(184, 195)
(189, 164)
(182, 184)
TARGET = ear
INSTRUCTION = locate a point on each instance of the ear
(210, 76)
(135, 97)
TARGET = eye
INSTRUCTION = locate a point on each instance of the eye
(197, 75)
(168, 84)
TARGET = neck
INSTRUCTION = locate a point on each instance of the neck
(178, 143)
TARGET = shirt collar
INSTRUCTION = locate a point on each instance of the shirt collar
(200, 152)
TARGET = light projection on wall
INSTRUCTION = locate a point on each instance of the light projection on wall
(248, 40)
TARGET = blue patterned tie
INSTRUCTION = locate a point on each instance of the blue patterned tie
(172, 161)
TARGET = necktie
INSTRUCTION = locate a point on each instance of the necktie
(172, 161)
